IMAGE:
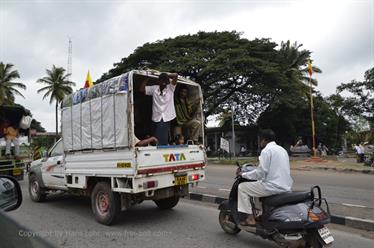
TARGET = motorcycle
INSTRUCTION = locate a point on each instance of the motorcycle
(291, 219)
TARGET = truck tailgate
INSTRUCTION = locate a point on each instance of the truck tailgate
(169, 158)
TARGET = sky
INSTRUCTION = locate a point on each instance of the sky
(34, 35)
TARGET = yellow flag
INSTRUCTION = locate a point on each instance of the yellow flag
(310, 69)
(88, 82)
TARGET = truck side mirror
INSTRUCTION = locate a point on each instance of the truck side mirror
(10, 193)
(45, 156)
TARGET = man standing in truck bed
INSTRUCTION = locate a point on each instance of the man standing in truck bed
(186, 110)
(163, 110)
(11, 136)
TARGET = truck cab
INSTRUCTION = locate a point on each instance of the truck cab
(98, 156)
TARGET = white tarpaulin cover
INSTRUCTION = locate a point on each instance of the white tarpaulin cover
(66, 128)
(96, 118)
(96, 123)
(86, 124)
(122, 134)
(108, 126)
(76, 127)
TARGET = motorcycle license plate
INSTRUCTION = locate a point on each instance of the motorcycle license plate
(180, 180)
(325, 235)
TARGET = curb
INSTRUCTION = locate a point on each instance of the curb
(363, 171)
(325, 168)
(358, 223)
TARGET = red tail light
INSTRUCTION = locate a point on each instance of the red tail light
(150, 184)
(194, 177)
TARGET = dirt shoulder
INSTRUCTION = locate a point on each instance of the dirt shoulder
(341, 165)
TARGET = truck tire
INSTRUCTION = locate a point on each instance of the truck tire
(37, 194)
(106, 204)
(167, 203)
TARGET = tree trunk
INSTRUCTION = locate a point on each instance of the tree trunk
(56, 121)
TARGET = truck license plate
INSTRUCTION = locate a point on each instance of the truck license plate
(17, 172)
(326, 236)
(180, 180)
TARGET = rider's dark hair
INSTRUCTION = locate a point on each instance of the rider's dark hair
(267, 134)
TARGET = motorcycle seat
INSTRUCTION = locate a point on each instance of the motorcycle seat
(286, 198)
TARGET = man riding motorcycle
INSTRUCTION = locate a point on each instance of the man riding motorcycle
(272, 176)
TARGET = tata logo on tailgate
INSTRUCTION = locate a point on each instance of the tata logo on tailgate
(174, 157)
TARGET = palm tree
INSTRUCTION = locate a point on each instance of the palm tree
(295, 61)
(8, 88)
(58, 85)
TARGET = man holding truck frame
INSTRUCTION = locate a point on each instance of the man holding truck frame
(163, 110)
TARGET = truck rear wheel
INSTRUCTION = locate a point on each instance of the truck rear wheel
(37, 194)
(167, 203)
(106, 204)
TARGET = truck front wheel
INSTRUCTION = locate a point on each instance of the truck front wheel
(167, 203)
(36, 193)
(106, 204)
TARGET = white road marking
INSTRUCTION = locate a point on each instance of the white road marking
(353, 205)
(224, 189)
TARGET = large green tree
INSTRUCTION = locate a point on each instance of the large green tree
(57, 86)
(254, 76)
(288, 112)
(290, 122)
(360, 99)
(230, 69)
(8, 85)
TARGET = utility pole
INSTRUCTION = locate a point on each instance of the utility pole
(233, 131)
(314, 158)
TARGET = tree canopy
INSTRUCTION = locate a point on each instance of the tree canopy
(360, 101)
(267, 83)
(57, 86)
(249, 74)
(8, 86)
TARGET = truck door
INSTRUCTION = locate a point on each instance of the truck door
(53, 168)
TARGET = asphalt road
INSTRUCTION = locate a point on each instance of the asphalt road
(337, 187)
(68, 222)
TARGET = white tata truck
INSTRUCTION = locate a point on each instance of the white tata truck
(97, 155)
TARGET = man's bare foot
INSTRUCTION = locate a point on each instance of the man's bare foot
(250, 221)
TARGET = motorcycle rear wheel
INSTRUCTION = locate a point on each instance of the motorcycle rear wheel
(227, 224)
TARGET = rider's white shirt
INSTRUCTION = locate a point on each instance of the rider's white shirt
(273, 170)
